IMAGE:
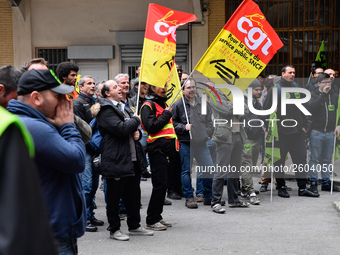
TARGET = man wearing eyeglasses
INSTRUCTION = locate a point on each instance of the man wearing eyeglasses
(323, 106)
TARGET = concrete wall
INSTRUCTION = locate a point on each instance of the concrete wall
(50, 23)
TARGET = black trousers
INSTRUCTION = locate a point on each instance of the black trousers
(174, 175)
(128, 189)
(295, 145)
(161, 166)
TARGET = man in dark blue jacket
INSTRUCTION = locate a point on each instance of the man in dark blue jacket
(202, 129)
(60, 152)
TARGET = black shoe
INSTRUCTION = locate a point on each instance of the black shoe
(307, 193)
(146, 174)
(328, 188)
(96, 222)
(174, 195)
(207, 202)
(91, 228)
(285, 187)
(314, 188)
(167, 202)
(283, 193)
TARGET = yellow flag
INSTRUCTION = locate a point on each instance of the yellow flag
(241, 50)
(173, 85)
(159, 47)
(76, 86)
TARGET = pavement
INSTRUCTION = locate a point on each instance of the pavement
(297, 225)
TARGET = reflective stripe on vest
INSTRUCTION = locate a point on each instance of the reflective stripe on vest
(168, 131)
(7, 119)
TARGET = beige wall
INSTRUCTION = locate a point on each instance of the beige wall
(6, 34)
(50, 23)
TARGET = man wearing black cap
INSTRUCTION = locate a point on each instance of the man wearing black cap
(59, 150)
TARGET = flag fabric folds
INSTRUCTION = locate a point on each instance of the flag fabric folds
(173, 85)
(242, 49)
(272, 136)
(321, 57)
(159, 46)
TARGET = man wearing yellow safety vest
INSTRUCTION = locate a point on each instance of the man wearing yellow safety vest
(24, 220)
(162, 147)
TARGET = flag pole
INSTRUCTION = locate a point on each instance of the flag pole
(181, 88)
(272, 172)
(186, 115)
(333, 154)
(138, 97)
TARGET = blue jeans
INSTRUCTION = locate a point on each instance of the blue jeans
(321, 151)
(90, 181)
(203, 158)
(66, 246)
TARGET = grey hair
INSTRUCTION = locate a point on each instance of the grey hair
(82, 79)
(116, 79)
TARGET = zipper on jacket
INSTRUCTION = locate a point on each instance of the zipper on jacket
(326, 106)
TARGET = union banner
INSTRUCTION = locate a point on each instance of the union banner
(241, 50)
(173, 85)
(159, 46)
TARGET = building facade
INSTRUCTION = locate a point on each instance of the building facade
(105, 37)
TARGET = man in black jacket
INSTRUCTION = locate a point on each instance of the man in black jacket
(323, 105)
(291, 138)
(201, 128)
(82, 108)
(252, 147)
(119, 161)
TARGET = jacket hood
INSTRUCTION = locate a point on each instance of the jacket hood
(22, 109)
(95, 109)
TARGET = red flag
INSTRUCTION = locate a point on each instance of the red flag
(159, 47)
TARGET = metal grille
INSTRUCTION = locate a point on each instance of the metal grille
(302, 25)
(53, 56)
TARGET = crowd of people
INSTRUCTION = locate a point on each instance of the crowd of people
(139, 136)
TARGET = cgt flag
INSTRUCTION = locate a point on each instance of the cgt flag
(159, 47)
(242, 49)
(173, 85)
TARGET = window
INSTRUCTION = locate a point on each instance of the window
(53, 56)
(302, 25)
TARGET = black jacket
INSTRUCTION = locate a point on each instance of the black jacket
(152, 125)
(202, 125)
(323, 108)
(24, 220)
(82, 107)
(292, 112)
(116, 159)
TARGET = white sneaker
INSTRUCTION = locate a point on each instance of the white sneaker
(217, 208)
(140, 232)
(254, 200)
(118, 235)
(165, 223)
